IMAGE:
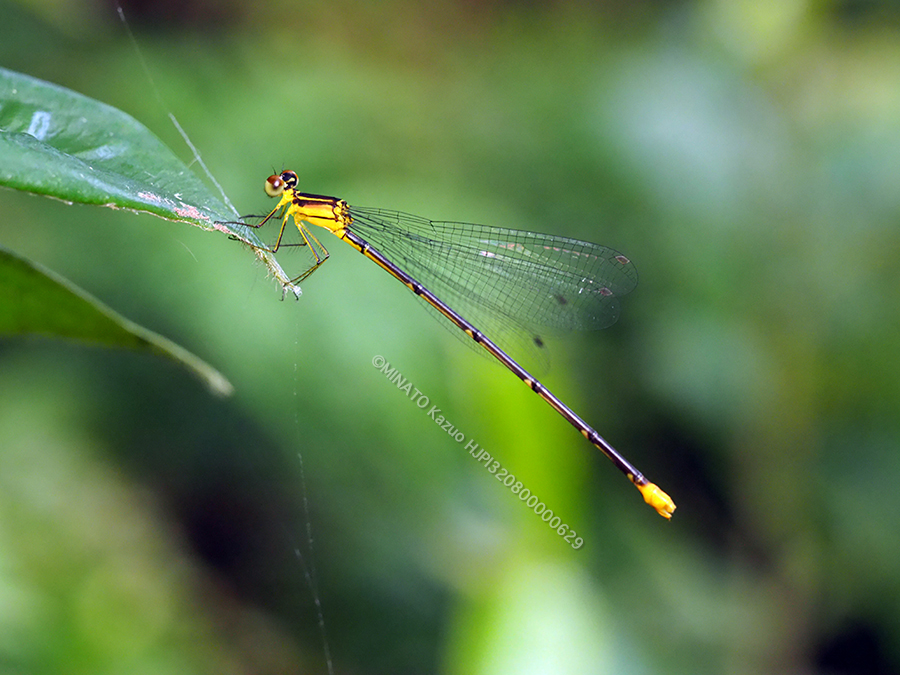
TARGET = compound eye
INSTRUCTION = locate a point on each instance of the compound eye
(274, 186)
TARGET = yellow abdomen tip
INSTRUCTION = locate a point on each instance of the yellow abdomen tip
(658, 499)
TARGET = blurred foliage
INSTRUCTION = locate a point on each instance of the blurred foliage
(743, 154)
(36, 302)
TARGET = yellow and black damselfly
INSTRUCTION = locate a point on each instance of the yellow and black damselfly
(508, 281)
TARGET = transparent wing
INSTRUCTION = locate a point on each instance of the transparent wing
(510, 284)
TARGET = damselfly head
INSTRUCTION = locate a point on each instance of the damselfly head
(276, 185)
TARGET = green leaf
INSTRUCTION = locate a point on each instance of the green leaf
(58, 143)
(36, 301)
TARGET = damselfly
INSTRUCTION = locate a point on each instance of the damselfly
(508, 282)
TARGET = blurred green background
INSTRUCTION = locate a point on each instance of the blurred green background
(746, 156)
